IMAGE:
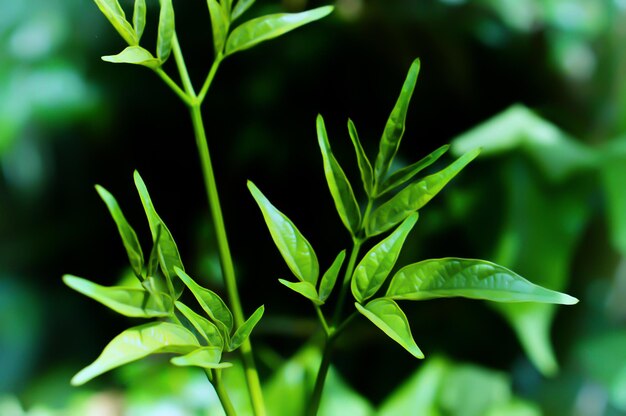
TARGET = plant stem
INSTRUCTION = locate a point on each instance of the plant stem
(346, 280)
(316, 398)
(216, 377)
(322, 319)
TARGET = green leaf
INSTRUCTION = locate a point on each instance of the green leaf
(219, 24)
(243, 332)
(240, 8)
(139, 17)
(365, 167)
(112, 10)
(128, 301)
(372, 271)
(211, 303)
(136, 343)
(306, 289)
(338, 184)
(330, 277)
(401, 176)
(264, 28)
(394, 129)
(129, 237)
(135, 55)
(169, 258)
(153, 261)
(387, 315)
(205, 328)
(474, 279)
(204, 357)
(295, 249)
(415, 196)
(166, 30)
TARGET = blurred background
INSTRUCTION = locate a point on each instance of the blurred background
(540, 85)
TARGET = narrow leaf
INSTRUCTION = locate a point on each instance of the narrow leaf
(306, 289)
(205, 328)
(128, 301)
(365, 167)
(112, 10)
(204, 357)
(264, 28)
(135, 55)
(330, 277)
(474, 279)
(295, 249)
(219, 24)
(394, 129)
(387, 315)
(415, 196)
(401, 176)
(129, 237)
(136, 343)
(153, 261)
(166, 30)
(372, 271)
(243, 332)
(338, 184)
(139, 17)
(240, 8)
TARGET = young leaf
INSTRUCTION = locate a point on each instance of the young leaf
(240, 8)
(166, 30)
(338, 184)
(129, 237)
(371, 272)
(271, 26)
(135, 55)
(136, 343)
(415, 196)
(295, 249)
(243, 332)
(330, 277)
(394, 129)
(474, 279)
(365, 167)
(204, 357)
(306, 289)
(153, 261)
(405, 174)
(128, 301)
(169, 257)
(112, 10)
(219, 24)
(387, 315)
(139, 17)
(205, 328)
(212, 304)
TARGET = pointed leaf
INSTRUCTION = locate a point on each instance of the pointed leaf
(387, 315)
(205, 328)
(306, 289)
(330, 277)
(166, 30)
(153, 261)
(212, 304)
(415, 196)
(271, 26)
(474, 279)
(372, 271)
(243, 332)
(136, 343)
(139, 17)
(338, 184)
(135, 55)
(295, 249)
(129, 237)
(240, 8)
(365, 167)
(219, 24)
(112, 10)
(204, 357)
(128, 301)
(401, 176)
(394, 129)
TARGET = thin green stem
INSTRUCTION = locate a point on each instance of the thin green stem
(173, 86)
(182, 69)
(322, 319)
(209, 78)
(216, 377)
(316, 398)
(346, 281)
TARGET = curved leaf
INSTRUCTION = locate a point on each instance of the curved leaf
(264, 28)
(219, 24)
(112, 10)
(474, 279)
(136, 343)
(330, 277)
(365, 167)
(371, 272)
(338, 184)
(387, 315)
(240, 8)
(165, 34)
(139, 17)
(135, 55)
(205, 328)
(306, 289)
(243, 332)
(295, 249)
(204, 357)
